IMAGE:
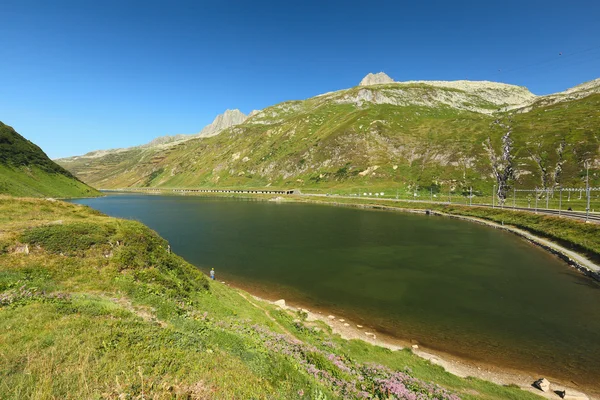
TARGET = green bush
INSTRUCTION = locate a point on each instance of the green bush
(68, 239)
(142, 250)
(4, 245)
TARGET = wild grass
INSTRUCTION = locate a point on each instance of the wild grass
(33, 181)
(25, 170)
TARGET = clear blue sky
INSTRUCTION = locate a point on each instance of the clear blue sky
(79, 75)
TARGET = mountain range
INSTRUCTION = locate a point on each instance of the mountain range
(416, 135)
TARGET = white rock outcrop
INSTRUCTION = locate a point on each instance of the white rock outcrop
(24, 249)
(542, 384)
(574, 93)
(280, 303)
(375, 79)
(223, 121)
(477, 96)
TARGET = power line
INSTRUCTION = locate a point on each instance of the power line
(558, 57)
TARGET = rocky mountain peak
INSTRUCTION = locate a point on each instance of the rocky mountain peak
(232, 114)
(376, 79)
(223, 121)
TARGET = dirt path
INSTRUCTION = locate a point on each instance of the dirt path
(268, 314)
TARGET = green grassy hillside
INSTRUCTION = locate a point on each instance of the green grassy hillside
(25, 170)
(411, 137)
(92, 307)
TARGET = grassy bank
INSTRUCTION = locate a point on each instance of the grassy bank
(96, 307)
(35, 182)
(26, 171)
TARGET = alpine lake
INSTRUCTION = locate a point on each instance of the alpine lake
(449, 285)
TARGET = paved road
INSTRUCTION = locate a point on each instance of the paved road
(581, 215)
(594, 217)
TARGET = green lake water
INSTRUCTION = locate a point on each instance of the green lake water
(455, 286)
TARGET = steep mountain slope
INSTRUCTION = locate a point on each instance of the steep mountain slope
(25, 170)
(433, 135)
(574, 93)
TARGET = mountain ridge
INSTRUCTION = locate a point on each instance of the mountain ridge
(231, 117)
(25, 170)
(438, 134)
(222, 121)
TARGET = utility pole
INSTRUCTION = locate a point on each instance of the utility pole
(560, 202)
(547, 191)
(587, 189)
(514, 198)
(471, 196)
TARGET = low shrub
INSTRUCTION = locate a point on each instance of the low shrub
(4, 245)
(141, 249)
(68, 239)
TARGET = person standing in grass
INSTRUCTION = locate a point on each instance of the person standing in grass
(212, 274)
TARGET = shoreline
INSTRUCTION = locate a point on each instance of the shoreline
(572, 258)
(455, 365)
